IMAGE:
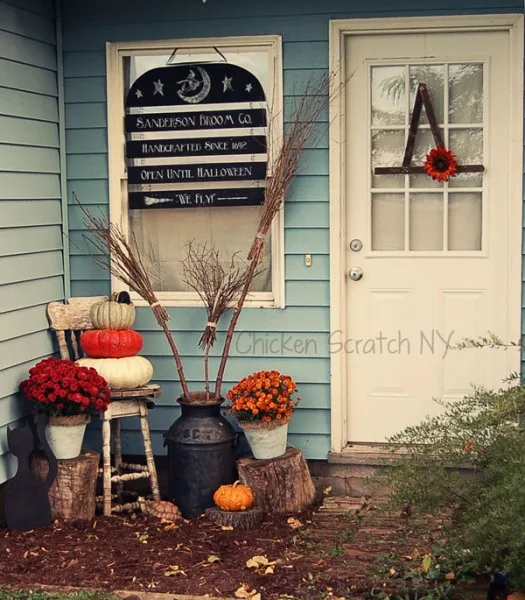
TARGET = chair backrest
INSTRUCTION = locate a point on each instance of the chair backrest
(69, 320)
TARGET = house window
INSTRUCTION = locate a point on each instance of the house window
(161, 235)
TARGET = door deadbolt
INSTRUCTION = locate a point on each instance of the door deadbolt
(356, 245)
(356, 273)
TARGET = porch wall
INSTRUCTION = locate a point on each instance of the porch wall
(304, 28)
(31, 265)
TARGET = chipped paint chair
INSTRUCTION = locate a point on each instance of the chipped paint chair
(68, 321)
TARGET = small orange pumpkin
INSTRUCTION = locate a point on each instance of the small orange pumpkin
(233, 497)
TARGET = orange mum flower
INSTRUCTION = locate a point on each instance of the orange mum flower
(263, 396)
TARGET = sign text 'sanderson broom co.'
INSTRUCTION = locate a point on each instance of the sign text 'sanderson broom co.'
(196, 135)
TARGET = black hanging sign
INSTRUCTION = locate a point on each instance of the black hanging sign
(196, 135)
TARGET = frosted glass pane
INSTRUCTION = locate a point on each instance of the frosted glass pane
(465, 93)
(388, 148)
(467, 145)
(464, 221)
(423, 144)
(433, 76)
(388, 95)
(388, 222)
(162, 234)
(426, 222)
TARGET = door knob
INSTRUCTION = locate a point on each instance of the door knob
(356, 273)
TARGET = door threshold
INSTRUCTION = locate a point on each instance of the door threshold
(358, 453)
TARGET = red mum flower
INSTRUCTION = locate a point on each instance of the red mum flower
(440, 164)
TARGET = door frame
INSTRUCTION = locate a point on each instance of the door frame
(339, 31)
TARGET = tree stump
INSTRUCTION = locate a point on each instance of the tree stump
(241, 519)
(281, 485)
(72, 495)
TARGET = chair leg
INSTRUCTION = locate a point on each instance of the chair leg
(106, 466)
(150, 461)
(117, 450)
(117, 444)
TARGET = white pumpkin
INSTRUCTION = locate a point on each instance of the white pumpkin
(110, 314)
(121, 373)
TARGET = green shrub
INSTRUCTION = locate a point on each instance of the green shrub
(469, 463)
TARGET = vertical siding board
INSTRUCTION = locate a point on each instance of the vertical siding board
(304, 28)
(31, 254)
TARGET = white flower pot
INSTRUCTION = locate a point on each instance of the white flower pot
(65, 436)
(267, 440)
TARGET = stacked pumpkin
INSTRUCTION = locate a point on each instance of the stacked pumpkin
(111, 347)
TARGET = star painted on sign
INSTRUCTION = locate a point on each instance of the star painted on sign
(227, 84)
(139, 94)
(158, 87)
(248, 87)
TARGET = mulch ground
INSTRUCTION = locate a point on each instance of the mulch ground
(346, 549)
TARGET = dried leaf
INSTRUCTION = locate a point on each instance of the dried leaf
(94, 525)
(174, 570)
(226, 527)
(243, 592)
(256, 562)
(392, 571)
(450, 575)
(213, 559)
(269, 570)
(26, 553)
(327, 490)
(294, 523)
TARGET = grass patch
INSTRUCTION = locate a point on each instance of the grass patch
(14, 594)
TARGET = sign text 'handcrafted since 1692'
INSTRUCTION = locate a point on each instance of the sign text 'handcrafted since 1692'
(196, 135)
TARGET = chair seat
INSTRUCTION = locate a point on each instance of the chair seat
(146, 391)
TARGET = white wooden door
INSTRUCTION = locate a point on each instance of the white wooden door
(435, 256)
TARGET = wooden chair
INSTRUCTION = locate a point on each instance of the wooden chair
(68, 321)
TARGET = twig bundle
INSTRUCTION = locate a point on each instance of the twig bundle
(110, 250)
(302, 129)
(218, 287)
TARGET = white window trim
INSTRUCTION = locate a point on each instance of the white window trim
(339, 31)
(118, 211)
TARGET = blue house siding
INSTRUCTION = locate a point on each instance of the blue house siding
(304, 29)
(31, 260)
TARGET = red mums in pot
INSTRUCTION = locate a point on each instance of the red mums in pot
(62, 388)
(440, 164)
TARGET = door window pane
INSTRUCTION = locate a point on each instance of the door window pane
(464, 221)
(433, 76)
(387, 148)
(426, 222)
(388, 222)
(465, 93)
(388, 95)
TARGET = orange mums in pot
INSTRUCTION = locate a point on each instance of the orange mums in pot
(263, 396)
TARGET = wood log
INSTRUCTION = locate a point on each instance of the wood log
(72, 495)
(281, 485)
(241, 519)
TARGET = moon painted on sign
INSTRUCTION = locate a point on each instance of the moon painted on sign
(194, 89)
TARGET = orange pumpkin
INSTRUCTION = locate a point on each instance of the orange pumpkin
(233, 497)
(111, 343)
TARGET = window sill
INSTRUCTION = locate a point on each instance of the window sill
(189, 302)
